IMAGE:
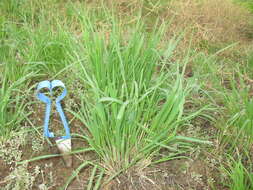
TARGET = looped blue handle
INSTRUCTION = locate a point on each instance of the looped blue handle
(50, 86)
(41, 96)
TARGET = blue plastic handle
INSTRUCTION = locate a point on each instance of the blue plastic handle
(50, 86)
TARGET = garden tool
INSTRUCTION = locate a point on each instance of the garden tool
(63, 142)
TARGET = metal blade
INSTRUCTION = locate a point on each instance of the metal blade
(64, 146)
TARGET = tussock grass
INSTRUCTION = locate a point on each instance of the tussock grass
(239, 105)
(48, 50)
(15, 77)
(130, 112)
(239, 177)
(12, 103)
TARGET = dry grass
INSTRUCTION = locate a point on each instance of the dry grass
(212, 20)
(208, 24)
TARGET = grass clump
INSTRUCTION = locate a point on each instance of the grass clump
(15, 77)
(239, 105)
(12, 104)
(240, 178)
(48, 50)
(131, 113)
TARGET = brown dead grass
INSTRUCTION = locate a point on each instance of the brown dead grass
(205, 22)
(208, 25)
(219, 22)
(213, 20)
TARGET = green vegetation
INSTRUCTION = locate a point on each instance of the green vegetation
(240, 177)
(121, 106)
(167, 84)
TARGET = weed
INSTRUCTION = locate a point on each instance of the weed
(238, 131)
(239, 177)
(130, 114)
(20, 178)
(10, 149)
(48, 50)
(12, 105)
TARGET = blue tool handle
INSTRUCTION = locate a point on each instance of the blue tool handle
(47, 133)
(64, 121)
(50, 86)
(45, 85)
(58, 83)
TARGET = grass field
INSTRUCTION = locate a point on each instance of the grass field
(160, 94)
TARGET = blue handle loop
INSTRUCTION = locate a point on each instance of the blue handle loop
(50, 86)
(47, 100)
(58, 83)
